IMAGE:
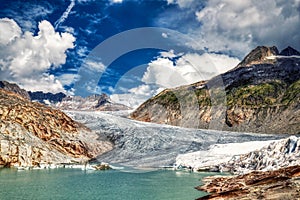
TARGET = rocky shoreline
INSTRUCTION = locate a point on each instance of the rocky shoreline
(283, 183)
(272, 172)
(83, 166)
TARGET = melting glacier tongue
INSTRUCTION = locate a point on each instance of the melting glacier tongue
(140, 144)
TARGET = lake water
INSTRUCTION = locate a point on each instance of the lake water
(112, 184)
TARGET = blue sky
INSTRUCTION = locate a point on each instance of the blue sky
(52, 45)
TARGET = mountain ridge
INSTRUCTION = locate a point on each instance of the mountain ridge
(255, 95)
(96, 102)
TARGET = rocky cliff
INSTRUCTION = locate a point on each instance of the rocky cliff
(260, 95)
(33, 135)
(15, 89)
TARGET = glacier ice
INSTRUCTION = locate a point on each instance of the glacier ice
(142, 144)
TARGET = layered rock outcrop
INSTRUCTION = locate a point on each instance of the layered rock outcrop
(32, 134)
(260, 95)
(283, 183)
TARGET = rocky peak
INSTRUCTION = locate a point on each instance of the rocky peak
(42, 97)
(259, 56)
(12, 87)
(103, 99)
(289, 51)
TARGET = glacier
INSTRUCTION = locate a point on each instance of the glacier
(275, 155)
(147, 145)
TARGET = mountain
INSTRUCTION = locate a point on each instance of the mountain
(35, 135)
(46, 98)
(289, 51)
(15, 89)
(94, 102)
(63, 102)
(259, 55)
(262, 95)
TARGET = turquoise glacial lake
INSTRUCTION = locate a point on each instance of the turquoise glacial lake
(111, 184)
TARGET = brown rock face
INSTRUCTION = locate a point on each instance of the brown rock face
(32, 134)
(15, 89)
(280, 184)
(259, 55)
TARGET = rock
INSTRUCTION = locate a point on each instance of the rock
(102, 166)
(259, 56)
(283, 183)
(289, 51)
(32, 134)
(12, 87)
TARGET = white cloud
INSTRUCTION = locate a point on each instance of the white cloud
(181, 3)
(239, 26)
(45, 82)
(68, 29)
(188, 69)
(164, 35)
(94, 66)
(27, 58)
(67, 79)
(12, 30)
(65, 14)
(136, 96)
(116, 1)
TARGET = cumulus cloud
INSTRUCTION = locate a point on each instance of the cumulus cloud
(26, 58)
(12, 30)
(189, 68)
(239, 26)
(136, 96)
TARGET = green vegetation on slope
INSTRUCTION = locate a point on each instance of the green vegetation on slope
(292, 93)
(257, 95)
(271, 93)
